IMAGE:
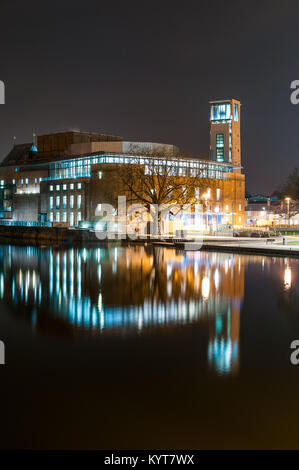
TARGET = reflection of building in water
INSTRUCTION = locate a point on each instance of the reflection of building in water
(130, 289)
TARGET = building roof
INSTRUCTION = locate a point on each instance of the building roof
(20, 154)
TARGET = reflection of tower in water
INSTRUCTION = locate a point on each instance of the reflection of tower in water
(224, 331)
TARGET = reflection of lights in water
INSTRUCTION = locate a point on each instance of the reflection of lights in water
(168, 270)
(99, 273)
(205, 288)
(216, 278)
(2, 285)
(223, 354)
(287, 278)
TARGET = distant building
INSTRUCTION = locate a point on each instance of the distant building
(67, 175)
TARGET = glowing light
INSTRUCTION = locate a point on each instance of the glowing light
(287, 278)
(205, 288)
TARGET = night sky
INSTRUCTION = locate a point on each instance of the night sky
(147, 71)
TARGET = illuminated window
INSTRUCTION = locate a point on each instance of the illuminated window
(71, 202)
(79, 185)
(64, 187)
(79, 202)
(219, 140)
(236, 112)
(71, 219)
(13, 181)
(26, 180)
(240, 207)
(35, 180)
(79, 217)
(57, 216)
(51, 187)
(51, 203)
(71, 186)
(220, 112)
(100, 175)
(64, 202)
(64, 217)
(197, 192)
(218, 192)
(57, 187)
(226, 208)
(220, 154)
(57, 202)
(51, 216)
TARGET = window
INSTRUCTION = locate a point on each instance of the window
(35, 180)
(26, 180)
(226, 208)
(71, 219)
(57, 216)
(51, 216)
(22, 181)
(64, 217)
(220, 155)
(216, 209)
(57, 202)
(13, 181)
(219, 147)
(197, 193)
(220, 112)
(64, 202)
(219, 140)
(79, 185)
(79, 218)
(57, 187)
(71, 202)
(51, 203)
(79, 202)
(51, 187)
(236, 112)
(218, 192)
(101, 174)
(240, 207)
(72, 186)
(64, 187)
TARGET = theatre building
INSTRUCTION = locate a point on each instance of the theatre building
(63, 178)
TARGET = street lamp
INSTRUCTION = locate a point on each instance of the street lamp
(288, 199)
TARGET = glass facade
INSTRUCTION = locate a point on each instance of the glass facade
(81, 167)
(221, 112)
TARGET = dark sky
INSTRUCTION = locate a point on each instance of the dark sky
(147, 70)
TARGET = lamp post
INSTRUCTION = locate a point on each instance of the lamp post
(288, 199)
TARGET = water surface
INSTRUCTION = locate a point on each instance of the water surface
(133, 347)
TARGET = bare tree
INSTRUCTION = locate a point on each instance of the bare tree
(159, 180)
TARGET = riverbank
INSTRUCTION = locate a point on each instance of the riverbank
(60, 236)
